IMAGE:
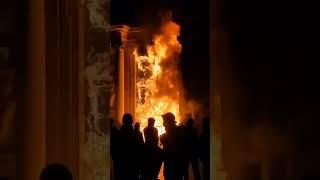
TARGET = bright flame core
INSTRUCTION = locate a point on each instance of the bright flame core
(158, 78)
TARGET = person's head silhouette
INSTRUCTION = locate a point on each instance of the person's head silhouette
(137, 126)
(190, 123)
(169, 121)
(151, 122)
(56, 172)
(127, 119)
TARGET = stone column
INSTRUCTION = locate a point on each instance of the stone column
(216, 144)
(96, 89)
(118, 41)
(218, 55)
(130, 76)
(120, 84)
(34, 126)
(123, 43)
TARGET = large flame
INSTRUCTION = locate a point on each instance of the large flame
(158, 78)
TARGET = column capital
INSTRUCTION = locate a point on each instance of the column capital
(123, 34)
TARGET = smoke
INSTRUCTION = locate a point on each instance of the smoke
(159, 24)
(252, 130)
(159, 79)
(172, 68)
(194, 109)
(163, 30)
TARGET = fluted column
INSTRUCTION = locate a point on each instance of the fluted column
(130, 76)
(120, 91)
(123, 45)
(118, 41)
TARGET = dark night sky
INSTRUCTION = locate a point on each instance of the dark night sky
(275, 49)
(193, 18)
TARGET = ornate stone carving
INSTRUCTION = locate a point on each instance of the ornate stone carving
(99, 90)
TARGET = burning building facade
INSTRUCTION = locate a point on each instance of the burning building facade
(149, 82)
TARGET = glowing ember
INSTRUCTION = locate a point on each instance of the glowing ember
(158, 78)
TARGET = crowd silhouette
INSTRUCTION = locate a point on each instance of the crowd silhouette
(56, 171)
(138, 158)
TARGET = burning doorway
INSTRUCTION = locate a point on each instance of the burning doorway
(149, 83)
(158, 77)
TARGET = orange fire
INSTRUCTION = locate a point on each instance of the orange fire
(158, 78)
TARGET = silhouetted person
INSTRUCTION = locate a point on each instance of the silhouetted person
(55, 172)
(152, 151)
(138, 150)
(183, 152)
(127, 160)
(191, 149)
(114, 139)
(115, 149)
(173, 168)
(151, 133)
(205, 147)
(138, 137)
(126, 128)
